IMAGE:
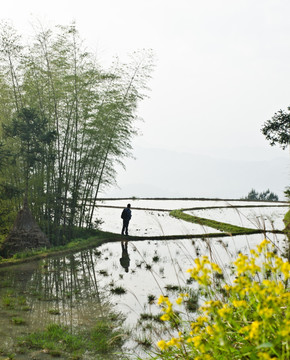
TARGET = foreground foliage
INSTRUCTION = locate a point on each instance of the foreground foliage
(249, 319)
(57, 340)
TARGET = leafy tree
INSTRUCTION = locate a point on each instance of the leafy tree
(262, 196)
(7, 194)
(90, 111)
(31, 131)
(277, 130)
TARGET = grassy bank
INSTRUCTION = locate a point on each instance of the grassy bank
(228, 228)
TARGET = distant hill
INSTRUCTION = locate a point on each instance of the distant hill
(162, 173)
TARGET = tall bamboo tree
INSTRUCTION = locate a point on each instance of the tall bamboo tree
(90, 111)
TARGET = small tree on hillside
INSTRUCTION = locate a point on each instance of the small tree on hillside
(262, 196)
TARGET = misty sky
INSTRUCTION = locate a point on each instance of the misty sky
(222, 67)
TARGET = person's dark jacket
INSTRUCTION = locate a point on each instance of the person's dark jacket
(126, 214)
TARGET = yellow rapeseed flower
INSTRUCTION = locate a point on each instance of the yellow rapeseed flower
(263, 245)
(285, 269)
(270, 255)
(197, 340)
(224, 311)
(179, 301)
(209, 330)
(254, 253)
(174, 342)
(285, 329)
(265, 356)
(216, 268)
(266, 312)
(239, 303)
(165, 317)
(254, 330)
(162, 345)
(161, 299)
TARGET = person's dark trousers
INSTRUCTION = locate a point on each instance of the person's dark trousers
(125, 226)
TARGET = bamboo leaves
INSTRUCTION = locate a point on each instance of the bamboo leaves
(89, 111)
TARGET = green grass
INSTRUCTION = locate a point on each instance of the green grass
(287, 221)
(151, 299)
(57, 340)
(18, 320)
(228, 228)
(119, 290)
(53, 311)
(8, 302)
(172, 287)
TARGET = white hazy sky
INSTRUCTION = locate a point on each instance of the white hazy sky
(222, 67)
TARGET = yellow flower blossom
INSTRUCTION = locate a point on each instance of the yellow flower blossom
(197, 340)
(165, 317)
(183, 295)
(266, 312)
(225, 310)
(228, 287)
(254, 330)
(263, 245)
(254, 253)
(239, 303)
(216, 268)
(174, 342)
(285, 331)
(209, 330)
(162, 345)
(179, 301)
(270, 255)
(161, 299)
(285, 269)
(265, 356)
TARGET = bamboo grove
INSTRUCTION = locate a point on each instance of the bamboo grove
(65, 124)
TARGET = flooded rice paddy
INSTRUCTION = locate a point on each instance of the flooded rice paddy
(79, 289)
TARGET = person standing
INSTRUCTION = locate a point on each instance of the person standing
(126, 216)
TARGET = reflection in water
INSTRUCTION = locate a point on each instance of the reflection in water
(74, 290)
(125, 259)
(61, 290)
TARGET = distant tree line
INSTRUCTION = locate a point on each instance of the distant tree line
(264, 195)
(65, 123)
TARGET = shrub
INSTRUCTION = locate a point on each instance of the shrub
(248, 319)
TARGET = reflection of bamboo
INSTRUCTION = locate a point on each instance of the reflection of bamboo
(94, 277)
(48, 284)
(72, 280)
